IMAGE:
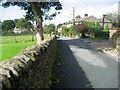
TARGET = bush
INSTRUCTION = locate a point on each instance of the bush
(101, 33)
(10, 32)
(65, 31)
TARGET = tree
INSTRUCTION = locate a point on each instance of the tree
(50, 28)
(91, 25)
(15, 21)
(8, 25)
(81, 28)
(113, 17)
(23, 23)
(107, 27)
(65, 31)
(98, 26)
(71, 31)
(35, 12)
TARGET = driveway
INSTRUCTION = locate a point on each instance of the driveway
(81, 66)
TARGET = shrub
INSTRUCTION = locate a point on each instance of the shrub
(65, 31)
(101, 33)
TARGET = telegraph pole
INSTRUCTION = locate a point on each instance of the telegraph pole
(119, 12)
(103, 20)
(73, 16)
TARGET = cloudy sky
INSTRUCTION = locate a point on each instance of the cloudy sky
(91, 7)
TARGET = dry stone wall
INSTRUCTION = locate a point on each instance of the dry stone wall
(113, 38)
(31, 68)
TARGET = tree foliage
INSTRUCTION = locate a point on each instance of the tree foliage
(68, 30)
(113, 17)
(36, 11)
(107, 27)
(65, 31)
(98, 26)
(49, 29)
(8, 25)
(15, 21)
(92, 26)
(23, 23)
(41, 8)
(72, 31)
(81, 28)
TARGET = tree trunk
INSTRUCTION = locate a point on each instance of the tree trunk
(83, 35)
(36, 8)
(39, 34)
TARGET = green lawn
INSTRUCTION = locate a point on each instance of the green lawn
(9, 47)
(9, 50)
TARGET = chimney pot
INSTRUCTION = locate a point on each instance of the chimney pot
(86, 15)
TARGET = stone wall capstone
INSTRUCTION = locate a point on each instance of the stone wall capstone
(31, 68)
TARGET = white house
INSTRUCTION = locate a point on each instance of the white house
(21, 30)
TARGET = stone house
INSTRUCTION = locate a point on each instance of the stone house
(79, 20)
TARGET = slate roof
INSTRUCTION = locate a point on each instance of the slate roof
(90, 19)
(93, 19)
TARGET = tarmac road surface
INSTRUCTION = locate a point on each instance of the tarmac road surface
(81, 66)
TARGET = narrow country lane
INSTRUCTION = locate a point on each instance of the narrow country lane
(81, 66)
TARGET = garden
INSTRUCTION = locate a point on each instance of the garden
(86, 30)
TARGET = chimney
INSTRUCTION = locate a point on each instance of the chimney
(86, 15)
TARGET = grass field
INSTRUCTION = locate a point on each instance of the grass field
(9, 50)
(14, 39)
(12, 45)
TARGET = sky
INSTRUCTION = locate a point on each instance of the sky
(90, 7)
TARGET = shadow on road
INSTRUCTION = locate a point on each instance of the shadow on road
(79, 43)
(70, 73)
(93, 64)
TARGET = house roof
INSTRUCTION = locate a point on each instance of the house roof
(93, 19)
(90, 19)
